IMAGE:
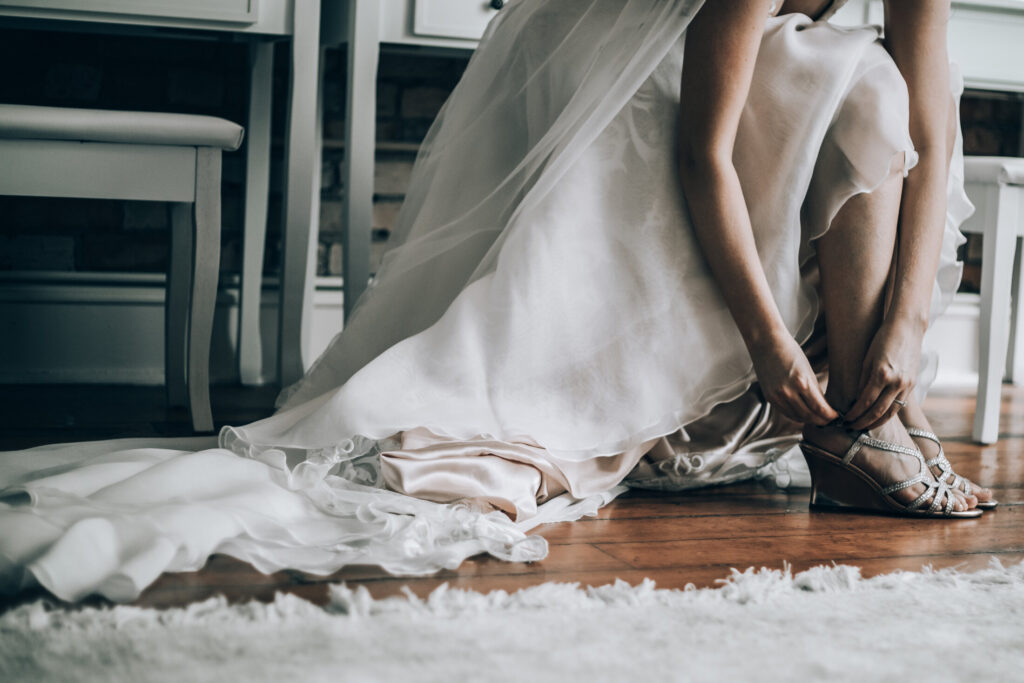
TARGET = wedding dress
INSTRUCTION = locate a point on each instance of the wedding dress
(546, 329)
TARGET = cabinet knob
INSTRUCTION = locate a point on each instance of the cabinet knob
(497, 4)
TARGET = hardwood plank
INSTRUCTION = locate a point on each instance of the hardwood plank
(642, 504)
(826, 524)
(964, 536)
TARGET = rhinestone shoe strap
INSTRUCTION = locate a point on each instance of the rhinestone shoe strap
(940, 461)
(936, 490)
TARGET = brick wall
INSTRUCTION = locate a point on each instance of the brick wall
(410, 91)
(210, 77)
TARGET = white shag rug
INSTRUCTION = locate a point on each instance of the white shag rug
(823, 624)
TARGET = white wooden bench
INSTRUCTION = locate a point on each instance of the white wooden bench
(61, 152)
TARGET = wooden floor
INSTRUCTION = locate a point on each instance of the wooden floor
(675, 539)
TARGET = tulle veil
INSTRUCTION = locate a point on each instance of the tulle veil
(109, 517)
(545, 83)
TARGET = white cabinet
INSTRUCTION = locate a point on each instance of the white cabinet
(452, 18)
(988, 44)
(242, 11)
(986, 38)
(435, 23)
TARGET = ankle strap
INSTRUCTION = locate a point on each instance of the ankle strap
(924, 434)
(864, 440)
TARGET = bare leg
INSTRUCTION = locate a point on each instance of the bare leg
(912, 415)
(855, 257)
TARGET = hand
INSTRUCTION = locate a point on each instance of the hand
(789, 383)
(889, 372)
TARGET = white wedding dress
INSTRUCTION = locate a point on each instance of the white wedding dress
(545, 331)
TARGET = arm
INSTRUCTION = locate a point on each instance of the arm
(721, 49)
(915, 35)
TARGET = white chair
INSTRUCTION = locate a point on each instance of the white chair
(996, 187)
(59, 152)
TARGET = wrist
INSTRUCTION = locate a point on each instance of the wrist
(766, 338)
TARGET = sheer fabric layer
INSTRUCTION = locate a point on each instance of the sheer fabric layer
(549, 300)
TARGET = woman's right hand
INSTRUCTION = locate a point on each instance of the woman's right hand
(788, 381)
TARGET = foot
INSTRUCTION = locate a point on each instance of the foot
(913, 417)
(930, 449)
(883, 467)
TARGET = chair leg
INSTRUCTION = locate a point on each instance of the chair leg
(357, 170)
(997, 263)
(301, 193)
(205, 272)
(257, 183)
(179, 289)
(1014, 370)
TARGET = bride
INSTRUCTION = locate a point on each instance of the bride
(607, 274)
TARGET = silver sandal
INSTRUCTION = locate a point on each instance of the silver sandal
(946, 468)
(837, 484)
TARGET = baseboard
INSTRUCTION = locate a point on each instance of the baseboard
(108, 328)
(954, 337)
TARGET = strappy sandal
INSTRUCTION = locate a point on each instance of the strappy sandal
(954, 480)
(838, 484)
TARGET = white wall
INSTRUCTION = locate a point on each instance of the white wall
(109, 329)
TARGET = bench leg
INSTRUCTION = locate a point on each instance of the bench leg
(179, 290)
(206, 270)
(257, 186)
(357, 171)
(996, 274)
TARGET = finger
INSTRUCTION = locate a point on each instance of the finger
(889, 414)
(895, 408)
(816, 403)
(876, 412)
(807, 416)
(882, 405)
(866, 398)
(813, 414)
(784, 404)
(775, 400)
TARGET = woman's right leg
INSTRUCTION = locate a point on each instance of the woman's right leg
(854, 258)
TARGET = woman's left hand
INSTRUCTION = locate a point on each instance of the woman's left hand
(889, 372)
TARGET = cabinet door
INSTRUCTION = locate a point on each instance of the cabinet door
(987, 41)
(241, 11)
(465, 19)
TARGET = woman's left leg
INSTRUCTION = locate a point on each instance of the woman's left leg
(912, 416)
